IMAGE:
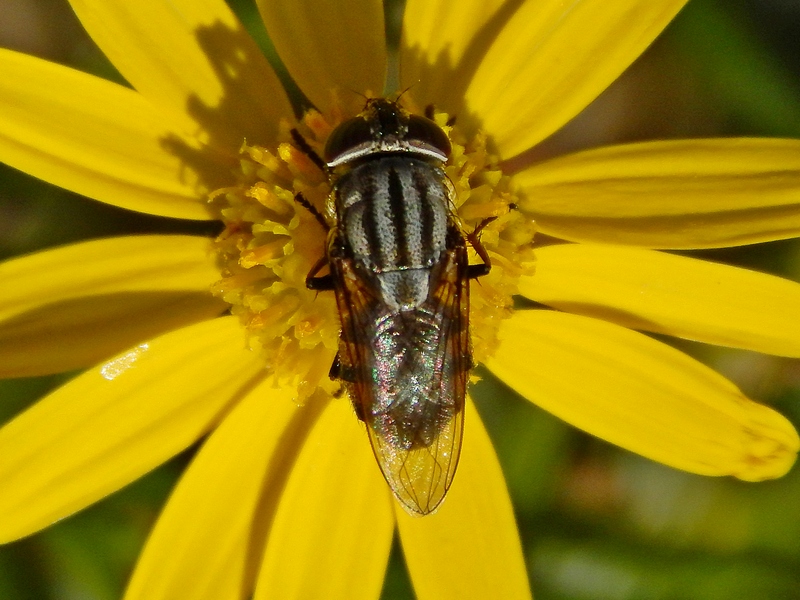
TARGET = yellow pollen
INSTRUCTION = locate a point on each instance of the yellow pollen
(271, 242)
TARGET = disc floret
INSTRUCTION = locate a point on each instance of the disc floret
(271, 242)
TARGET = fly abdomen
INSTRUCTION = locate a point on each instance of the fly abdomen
(393, 213)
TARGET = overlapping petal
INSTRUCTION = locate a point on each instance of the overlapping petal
(329, 45)
(118, 420)
(74, 306)
(332, 532)
(208, 541)
(642, 395)
(671, 194)
(125, 264)
(470, 547)
(551, 59)
(685, 297)
(92, 137)
(193, 60)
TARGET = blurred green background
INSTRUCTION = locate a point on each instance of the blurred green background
(597, 523)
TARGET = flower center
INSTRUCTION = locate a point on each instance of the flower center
(271, 242)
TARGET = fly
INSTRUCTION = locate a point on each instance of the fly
(399, 268)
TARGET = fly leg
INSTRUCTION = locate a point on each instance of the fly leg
(344, 375)
(475, 271)
(319, 283)
(340, 371)
(430, 113)
(303, 201)
(306, 149)
(322, 283)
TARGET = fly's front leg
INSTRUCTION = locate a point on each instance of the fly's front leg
(306, 149)
(475, 271)
(430, 114)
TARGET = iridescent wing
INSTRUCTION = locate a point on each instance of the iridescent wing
(406, 373)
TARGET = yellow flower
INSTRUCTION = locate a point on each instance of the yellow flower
(285, 499)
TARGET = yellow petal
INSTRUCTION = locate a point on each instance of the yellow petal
(328, 45)
(93, 137)
(441, 42)
(553, 58)
(76, 334)
(679, 296)
(195, 61)
(674, 194)
(633, 391)
(209, 538)
(332, 532)
(470, 547)
(146, 263)
(115, 422)
(71, 307)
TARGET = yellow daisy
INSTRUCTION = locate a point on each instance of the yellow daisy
(284, 499)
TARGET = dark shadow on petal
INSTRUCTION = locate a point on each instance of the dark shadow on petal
(241, 114)
(81, 332)
(275, 479)
(440, 75)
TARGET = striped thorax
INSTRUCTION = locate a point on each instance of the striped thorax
(392, 202)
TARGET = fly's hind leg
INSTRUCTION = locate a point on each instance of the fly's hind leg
(340, 371)
(475, 271)
(344, 374)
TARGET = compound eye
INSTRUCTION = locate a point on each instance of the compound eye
(349, 140)
(427, 137)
